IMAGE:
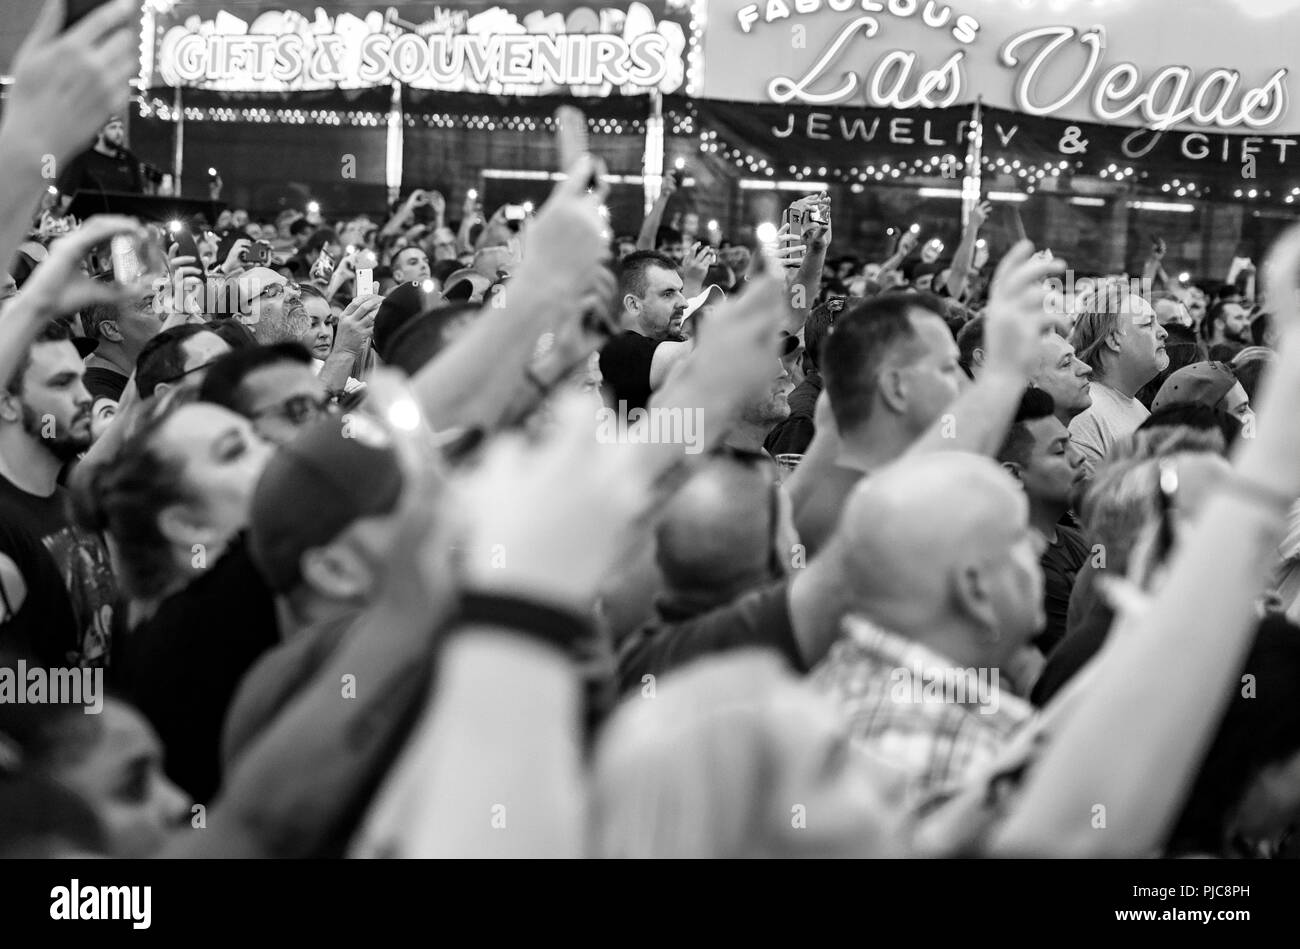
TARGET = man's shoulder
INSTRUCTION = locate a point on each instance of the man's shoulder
(803, 398)
(628, 340)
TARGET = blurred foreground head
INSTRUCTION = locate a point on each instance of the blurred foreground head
(727, 760)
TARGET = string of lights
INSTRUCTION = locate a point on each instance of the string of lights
(164, 111)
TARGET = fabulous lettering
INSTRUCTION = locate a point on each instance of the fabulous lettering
(1172, 96)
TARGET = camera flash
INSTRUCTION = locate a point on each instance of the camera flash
(528, 207)
(1184, 277)
(174, 226)
(52, 190)
(313, 207)
(472, 194)
(212, 172)
(915, 228)
(766, 232)
(713, 225)
(680, 163)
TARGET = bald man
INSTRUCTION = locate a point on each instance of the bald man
(954, 562)
(947, 590)
(725, 533)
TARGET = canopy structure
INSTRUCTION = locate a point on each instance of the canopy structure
(1103, 123)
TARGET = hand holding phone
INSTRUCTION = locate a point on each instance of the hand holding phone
(365, 281)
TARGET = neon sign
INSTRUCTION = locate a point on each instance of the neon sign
(1167, 100)
(495, 52)
(905, 54)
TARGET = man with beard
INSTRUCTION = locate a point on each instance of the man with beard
(1229, 329)
(105, 166)
(652, 307)
(271, 307)
(45, 416)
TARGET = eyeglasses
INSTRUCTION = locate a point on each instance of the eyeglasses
(274, 291)
(298, 409)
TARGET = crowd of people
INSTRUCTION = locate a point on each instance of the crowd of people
(912, 557)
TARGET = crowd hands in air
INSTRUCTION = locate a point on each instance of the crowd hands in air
(953, 564)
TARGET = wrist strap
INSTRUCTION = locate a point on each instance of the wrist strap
(1261, 494)
(554, 626)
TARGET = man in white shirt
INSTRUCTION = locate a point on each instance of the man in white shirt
(1119, 336)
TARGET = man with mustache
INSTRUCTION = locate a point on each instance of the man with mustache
(45, 415)
(271, 307)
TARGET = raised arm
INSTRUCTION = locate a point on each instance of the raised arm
(356, 325)
(963, 260)
(645, 240)
(65, 84)
(474, 380)
(499, 746)
(906, 243)
(58, 288)
(1016, 320)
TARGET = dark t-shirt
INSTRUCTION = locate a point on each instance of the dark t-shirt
(37, 625)
(625, 368)
(818, 515)
(1087, 624)
(104, 383)
(91, 171)
(80, 560)
(182, 666)
(793, 435)
(1061, 563)
(760, 618)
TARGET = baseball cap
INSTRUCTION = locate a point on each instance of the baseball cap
(464, 283)
(709, 296)
(1201, 383)
(403, 302)
(335, 472)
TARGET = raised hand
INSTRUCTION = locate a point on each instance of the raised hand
(1018, 313)
(66, 84)
(58, 286)
(357, 324)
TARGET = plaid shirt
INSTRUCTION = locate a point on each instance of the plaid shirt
(912, 708)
